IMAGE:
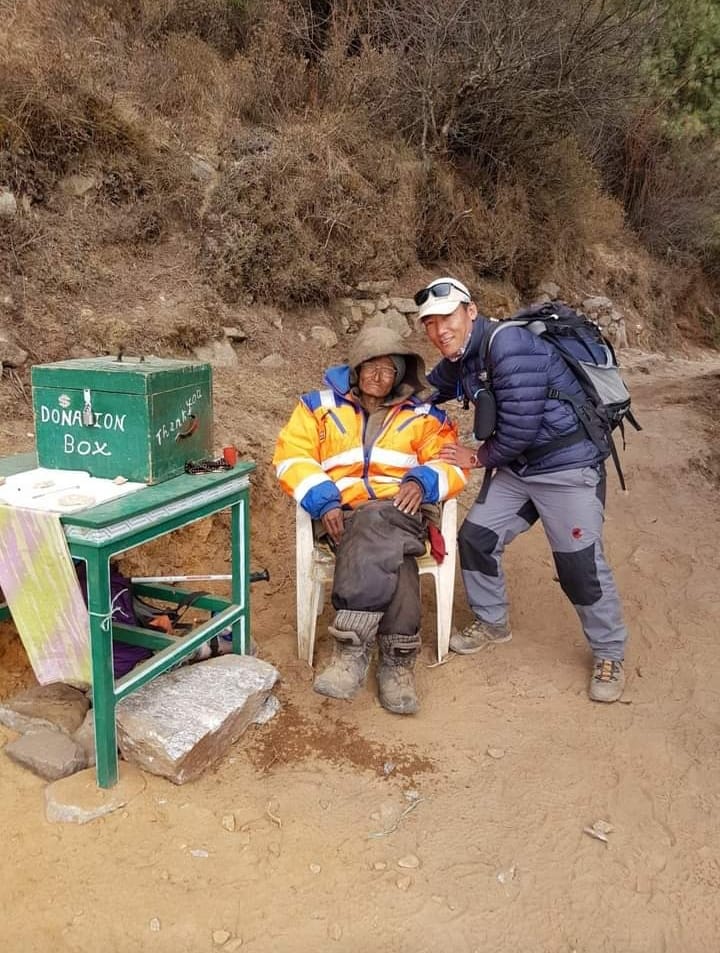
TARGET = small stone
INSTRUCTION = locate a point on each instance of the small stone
(374, 287)
(403, 883)
(375, 816)
(325, 337)
(219, 353)
(379, 865)
(591, 306)
(199, 852)
(274, 849)
(550, 289)
(506, 876)
(164, 875)
(220, 937)
(44, 706)
(335, 931)
(200, 169)
(389, 767)
(496, 753)
(403, 305)
(78, 185)
(324, 805)
(390, 319)
(235, 334)
(436, 898)
(271, 707)
(8, 204)
(228, 822)
(51, 754)
(272, 362)
(410, 861)
(155, 925)
(315, 868)
(233, 944)
(411, 794)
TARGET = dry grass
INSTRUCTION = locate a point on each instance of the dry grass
(302, 214)
(337, 148)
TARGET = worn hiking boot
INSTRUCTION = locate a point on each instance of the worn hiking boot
(479, 634)
(396, 681)
(354, 633)
(608, 680)
(346, 672)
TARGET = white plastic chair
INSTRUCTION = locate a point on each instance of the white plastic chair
(315, 566)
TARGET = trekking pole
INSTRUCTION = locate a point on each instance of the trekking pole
(262, 576)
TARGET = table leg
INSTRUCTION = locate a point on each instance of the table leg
(240, 568)
(103, 684)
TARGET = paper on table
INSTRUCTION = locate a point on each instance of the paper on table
(61, 491)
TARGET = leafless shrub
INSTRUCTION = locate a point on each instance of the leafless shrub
(184, 77)
(222, 24)
(318, 209)
(496, 80)
(459, 224)
(671, 191)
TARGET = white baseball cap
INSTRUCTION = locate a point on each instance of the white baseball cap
(441, 296)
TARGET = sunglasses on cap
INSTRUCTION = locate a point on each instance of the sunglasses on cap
(440, 290)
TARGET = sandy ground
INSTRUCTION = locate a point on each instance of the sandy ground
(489, 787)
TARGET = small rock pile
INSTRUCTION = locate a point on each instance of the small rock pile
(373, 306)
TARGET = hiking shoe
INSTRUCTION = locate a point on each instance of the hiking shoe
(396, 681)
(479, 634)
(608, 680)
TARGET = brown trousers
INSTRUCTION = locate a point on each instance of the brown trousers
(375, 568)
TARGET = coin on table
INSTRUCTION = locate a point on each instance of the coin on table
(76, 500)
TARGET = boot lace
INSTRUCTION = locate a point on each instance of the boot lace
(607, 670)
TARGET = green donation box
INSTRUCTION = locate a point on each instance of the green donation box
(140, 418)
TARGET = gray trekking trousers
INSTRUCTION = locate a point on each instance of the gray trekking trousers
(570, 506)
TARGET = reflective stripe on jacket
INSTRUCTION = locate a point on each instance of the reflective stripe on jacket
(320, 460)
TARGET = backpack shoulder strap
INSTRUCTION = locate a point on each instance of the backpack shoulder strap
(537, 327)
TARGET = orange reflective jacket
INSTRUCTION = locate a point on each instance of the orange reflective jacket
(320, 460)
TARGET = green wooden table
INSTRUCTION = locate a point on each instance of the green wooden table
(100, 533)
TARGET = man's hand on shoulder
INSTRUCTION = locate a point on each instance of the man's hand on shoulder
(334, 524)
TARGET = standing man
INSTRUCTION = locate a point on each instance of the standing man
(539, 462)
(362, 456)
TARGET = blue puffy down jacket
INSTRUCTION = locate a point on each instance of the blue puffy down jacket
(522, 367)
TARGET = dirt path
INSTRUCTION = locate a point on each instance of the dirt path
(499, 774)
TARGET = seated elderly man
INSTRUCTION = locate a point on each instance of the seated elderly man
(362, 457)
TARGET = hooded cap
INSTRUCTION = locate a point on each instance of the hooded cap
(384, 342)
(446, 303)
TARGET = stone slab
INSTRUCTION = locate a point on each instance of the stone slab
(48, 753)
(78, 799)
(45, 706)
(184, 721)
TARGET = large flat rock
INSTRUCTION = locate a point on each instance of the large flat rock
(78, 799)
(183, 722)
(45, 706)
